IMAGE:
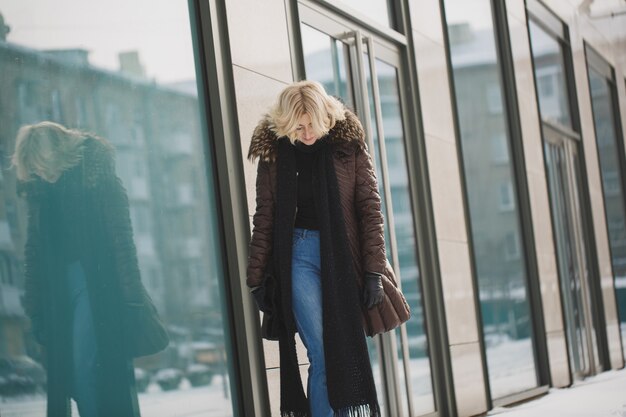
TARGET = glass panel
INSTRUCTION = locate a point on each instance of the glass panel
(326, 60)
(569, 266)
(105, 235)
(550, 75)
(377, 10)
(612, 183)
(496, 233)
(393, 128)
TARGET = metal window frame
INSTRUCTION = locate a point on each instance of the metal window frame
(547, 20)
(421, 200)
(212, 49)
(518, 166)
(536, 10)
(596, 63)
(391, 32)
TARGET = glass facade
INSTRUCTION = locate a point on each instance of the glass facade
(108, 244)
(563, 171)
(491, 193)
(328, 60)
(612, 170)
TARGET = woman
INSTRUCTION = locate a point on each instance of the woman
(81, 272)
(318, 237)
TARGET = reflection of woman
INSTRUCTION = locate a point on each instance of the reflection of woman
(318, 228)
(81, 271)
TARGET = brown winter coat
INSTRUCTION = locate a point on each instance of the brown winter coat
(361, 209)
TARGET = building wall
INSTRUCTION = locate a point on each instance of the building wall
(262, 67)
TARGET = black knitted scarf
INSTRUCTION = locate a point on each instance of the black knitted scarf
(351, 388)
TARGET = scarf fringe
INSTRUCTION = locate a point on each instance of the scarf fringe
(364, 410)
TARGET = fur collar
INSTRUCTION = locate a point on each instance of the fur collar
(347, 134)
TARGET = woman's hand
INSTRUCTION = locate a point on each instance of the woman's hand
(373, 292)
(261, 300)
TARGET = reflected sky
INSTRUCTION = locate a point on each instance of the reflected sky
(106, 29)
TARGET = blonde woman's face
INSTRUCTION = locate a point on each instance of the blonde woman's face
(305, 131)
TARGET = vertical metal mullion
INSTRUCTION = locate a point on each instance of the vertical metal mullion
(383, 153)
(388, 339)
(362, 89)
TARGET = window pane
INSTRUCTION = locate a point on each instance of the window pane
(550, 74)
(490, 184)
(108, 236)
(613, 189)
(325, 60)
(409, 273)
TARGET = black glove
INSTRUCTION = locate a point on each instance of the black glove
(373, 292)
(261, 300)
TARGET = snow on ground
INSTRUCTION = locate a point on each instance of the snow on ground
(187, 401)
(603, 395)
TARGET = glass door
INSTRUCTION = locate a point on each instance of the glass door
(364, 71)
(563, 170)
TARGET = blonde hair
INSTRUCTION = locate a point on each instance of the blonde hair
(48, 148)
(305, 97)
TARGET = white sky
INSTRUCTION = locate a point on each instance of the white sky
(158, 29)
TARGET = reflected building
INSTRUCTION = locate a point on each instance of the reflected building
(490, 192)
(158, 158)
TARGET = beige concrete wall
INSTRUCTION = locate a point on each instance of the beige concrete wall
(447, 198)
(607, 37)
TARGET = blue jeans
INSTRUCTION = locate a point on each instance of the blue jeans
(307, 310)
(84, 346)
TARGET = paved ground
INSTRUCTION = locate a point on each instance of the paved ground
(601, 396)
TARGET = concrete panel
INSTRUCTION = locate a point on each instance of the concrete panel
(527, 99)
(516, 8)
(615, 346)
(545, 252)
(426, 19)
(469, 381)
(255, 94)
(458, 292)
(434, 88)
(557, 355)
(446, 190)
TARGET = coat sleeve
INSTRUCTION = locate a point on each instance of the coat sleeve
(33, 280)
(263, 227)
(116, 216)
(369, 214)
